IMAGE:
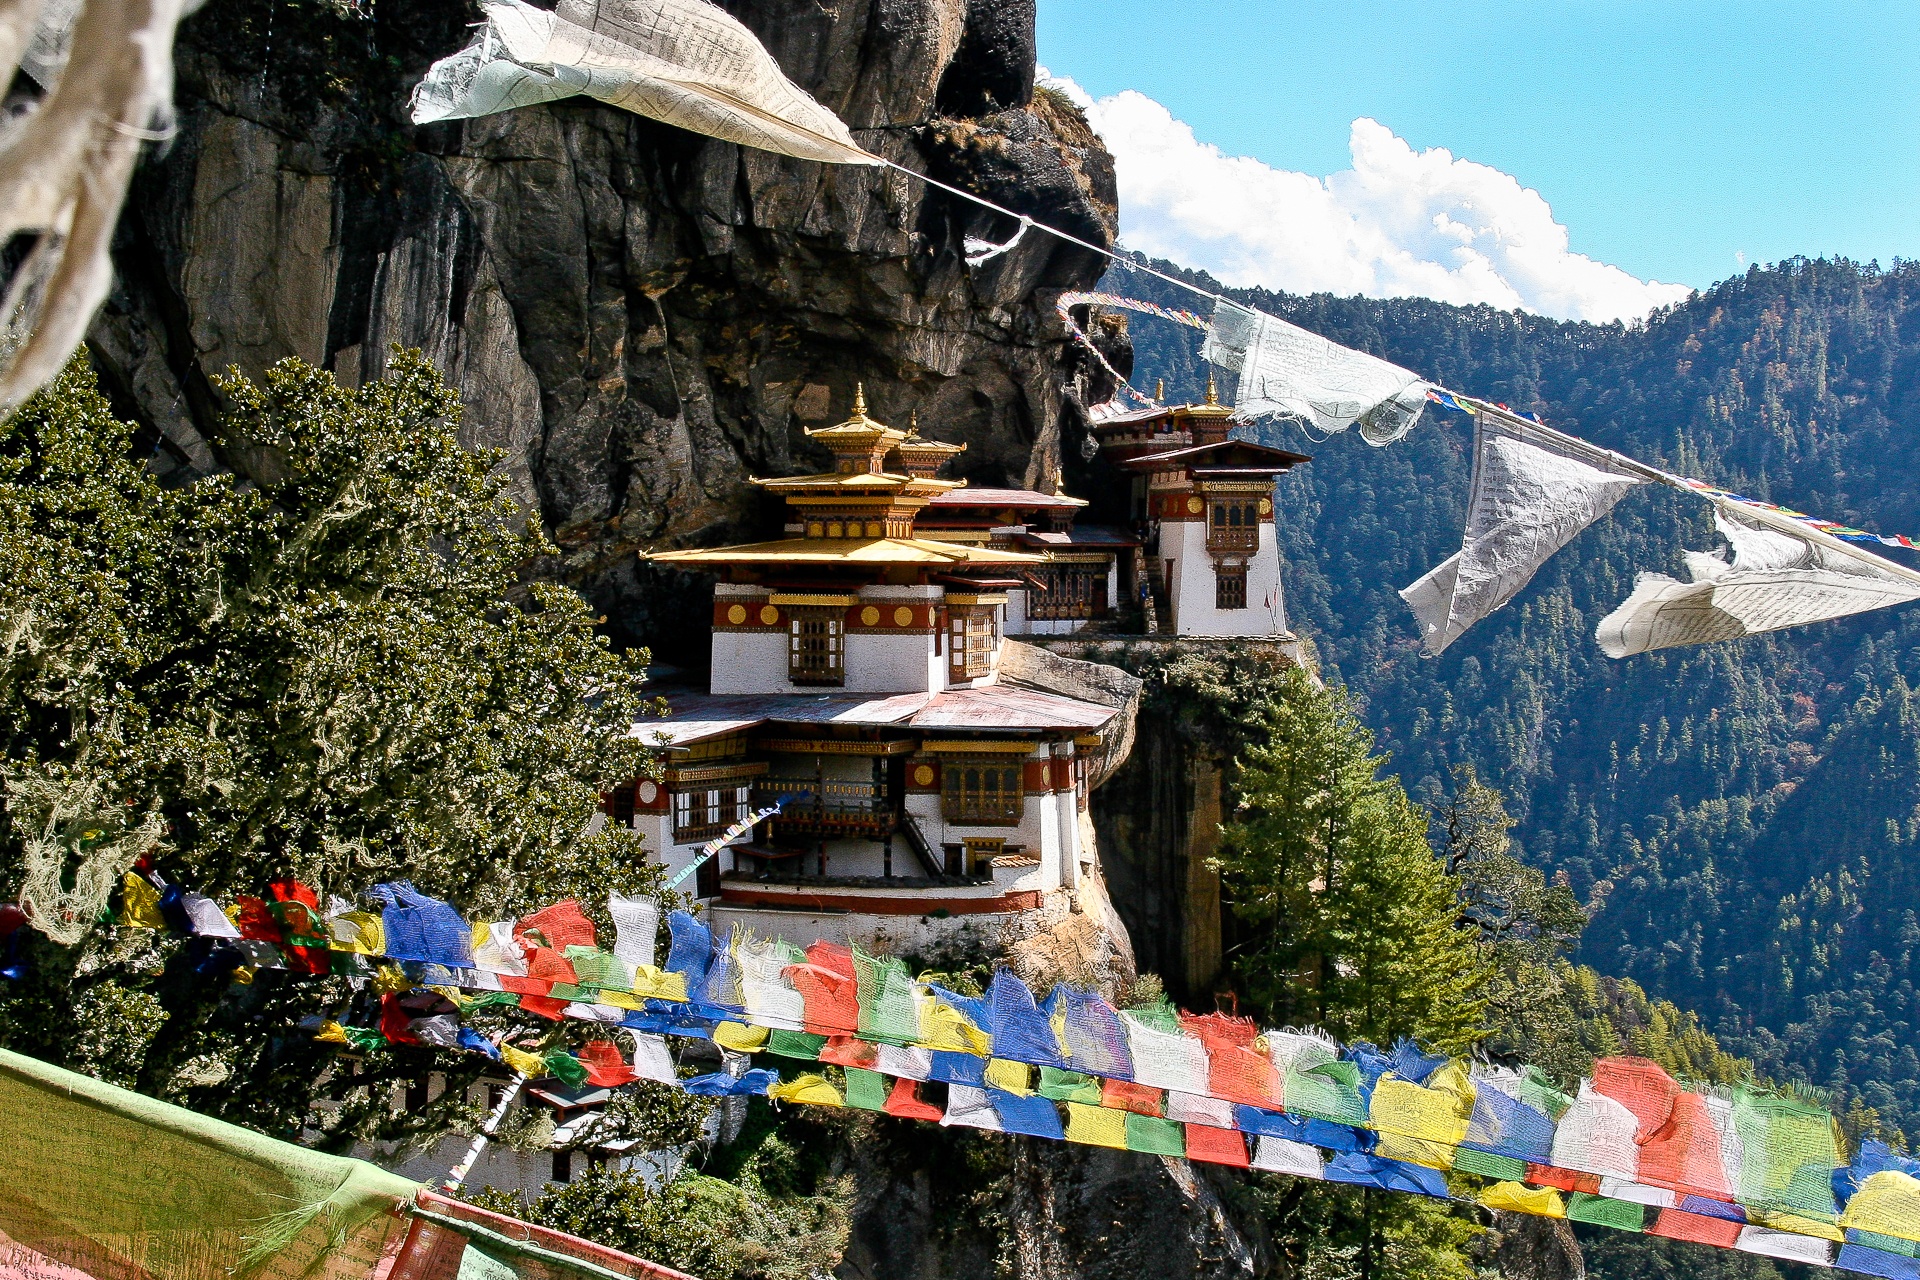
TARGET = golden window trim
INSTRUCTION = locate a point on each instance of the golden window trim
(972, 746)
(677, 776)
(813, 601)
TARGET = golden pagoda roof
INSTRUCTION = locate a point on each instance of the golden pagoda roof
(847, 551)
(858, 431)
(840, 482)
(917, 443)
(1212, 408)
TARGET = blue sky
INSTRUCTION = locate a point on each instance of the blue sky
(1668, 139)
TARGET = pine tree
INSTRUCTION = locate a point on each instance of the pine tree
(1346, 918)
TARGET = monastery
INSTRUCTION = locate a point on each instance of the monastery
(856, 674)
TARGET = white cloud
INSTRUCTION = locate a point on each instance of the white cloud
(1399, 223)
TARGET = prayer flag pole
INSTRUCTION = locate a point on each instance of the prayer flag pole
(720, 841)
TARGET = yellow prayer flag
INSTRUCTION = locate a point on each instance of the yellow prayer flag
(1802, 1226)
(140, 904)
(657, 984)
(391, 979)
(621, 999)
(358, 932)
(526, 1064)
(1096, 1126)
(944, 1027)
(740, 1037)
(1541, 1202)
(1887, 1204)
(1014, 1077)
(810, 1089)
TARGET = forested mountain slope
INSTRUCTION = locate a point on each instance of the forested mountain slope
(1747, 815)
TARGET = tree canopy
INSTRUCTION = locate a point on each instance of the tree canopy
(1346, 919)
(335, 670)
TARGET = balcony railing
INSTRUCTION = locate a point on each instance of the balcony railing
(1233, 539)
(815, 799)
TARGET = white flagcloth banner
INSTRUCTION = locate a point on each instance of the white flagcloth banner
(107, 67)
(1288, 372)
(1533, 491)
(1783, 573)
(685, 62)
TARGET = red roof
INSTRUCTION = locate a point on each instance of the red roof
(972, 497)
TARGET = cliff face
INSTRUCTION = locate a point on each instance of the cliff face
(639, 317)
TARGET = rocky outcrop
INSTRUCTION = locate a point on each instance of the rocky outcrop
(638, 317)
(970, 1204)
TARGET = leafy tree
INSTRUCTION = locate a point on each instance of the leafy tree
(1346, 919)
(778, 1212)
(333, 670)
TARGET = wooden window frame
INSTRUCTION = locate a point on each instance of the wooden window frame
(983, 791)
(1233, 523)
(1075, 592)
(1229, 587)
(974, 632)
(701, 813)
(826, 666)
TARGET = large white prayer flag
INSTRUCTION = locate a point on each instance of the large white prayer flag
(684, 62)
(1782, 574)
(1289, 372)
(65, 160)
(1533, 491)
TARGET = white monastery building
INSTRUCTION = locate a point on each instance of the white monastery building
(1204, 504)
(855, 679)
(856, 674)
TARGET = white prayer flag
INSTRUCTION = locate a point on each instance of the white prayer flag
(1280, 1155)
(1533, 491)
(1288, 372)
(652, 1059)
(1788, 1246)
(636, 928)
(685, 62)
(65, 161)
(1782, 574)
(971, 1108)
(208, 920)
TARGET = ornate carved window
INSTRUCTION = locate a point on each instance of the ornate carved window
(1233, 524)
(817, 647)
(1072, 591)
(1230, 586)
(982, 792)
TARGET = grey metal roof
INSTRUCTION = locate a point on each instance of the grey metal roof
(694, 717)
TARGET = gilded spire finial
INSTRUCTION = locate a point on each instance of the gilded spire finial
(913, 424)
(859, 401)
(1160, 389)
(1213, 394)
